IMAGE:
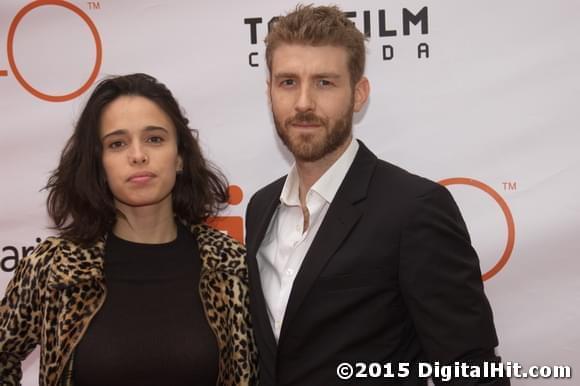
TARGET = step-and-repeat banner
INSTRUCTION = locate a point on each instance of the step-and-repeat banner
(482, 96)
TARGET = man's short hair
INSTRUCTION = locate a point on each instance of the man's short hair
(319, 26)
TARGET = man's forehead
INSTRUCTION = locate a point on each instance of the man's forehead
(294, 57)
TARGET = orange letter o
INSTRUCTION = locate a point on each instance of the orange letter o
(12, 62)
(506, 212)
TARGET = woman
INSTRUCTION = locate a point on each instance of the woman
(136, 290)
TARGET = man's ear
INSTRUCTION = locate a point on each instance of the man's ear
(361, 93)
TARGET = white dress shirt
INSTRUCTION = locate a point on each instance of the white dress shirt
(286, 243)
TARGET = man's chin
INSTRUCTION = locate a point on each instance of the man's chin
(307, 153)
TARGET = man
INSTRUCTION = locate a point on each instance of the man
(352, 259)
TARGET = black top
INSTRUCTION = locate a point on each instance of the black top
(151, 329)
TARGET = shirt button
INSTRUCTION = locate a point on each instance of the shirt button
(289, 272)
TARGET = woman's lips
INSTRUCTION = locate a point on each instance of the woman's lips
(141, 177)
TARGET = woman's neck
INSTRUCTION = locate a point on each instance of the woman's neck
(154, 224)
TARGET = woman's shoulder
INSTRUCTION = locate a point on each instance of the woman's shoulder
(36, 265)
(220, 251)
(44, 251)
(209, 236)
(53, 246)
(55, 254)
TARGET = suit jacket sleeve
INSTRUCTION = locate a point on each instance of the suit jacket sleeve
(20, 314)
(442, 287)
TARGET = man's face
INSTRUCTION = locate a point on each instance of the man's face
(312, 99)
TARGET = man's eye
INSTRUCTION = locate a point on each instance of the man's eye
(324, 83)
(287, 82)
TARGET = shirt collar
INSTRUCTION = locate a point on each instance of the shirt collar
(327, 185)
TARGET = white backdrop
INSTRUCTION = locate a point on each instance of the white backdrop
(495, 101)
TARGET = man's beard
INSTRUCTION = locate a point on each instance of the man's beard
(310, 147)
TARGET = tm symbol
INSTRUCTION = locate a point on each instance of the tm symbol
(94, 5)
(510, 185)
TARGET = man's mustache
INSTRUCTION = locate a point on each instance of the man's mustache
(308, 118)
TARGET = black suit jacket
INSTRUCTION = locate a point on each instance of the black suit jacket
(390, 277)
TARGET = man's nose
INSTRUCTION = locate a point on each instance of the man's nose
(305, 100)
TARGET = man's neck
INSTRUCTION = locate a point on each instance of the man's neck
(310, 172)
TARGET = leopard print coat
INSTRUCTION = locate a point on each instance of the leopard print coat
(57, 290)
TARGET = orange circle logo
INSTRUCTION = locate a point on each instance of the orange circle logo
(511, 228)
(236, 194)
(14, 67)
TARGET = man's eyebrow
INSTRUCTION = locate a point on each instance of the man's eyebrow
(125, 131)
(285, 75)
(332, 75)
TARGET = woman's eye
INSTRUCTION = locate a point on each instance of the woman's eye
(155, 139)
(116, 145)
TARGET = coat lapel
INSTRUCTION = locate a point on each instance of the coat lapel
(261, 320)
(76, 292)
(342, 216)
(255, 238)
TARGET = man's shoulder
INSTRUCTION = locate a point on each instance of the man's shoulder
(402, 181)
(269, 191)
(386, 177)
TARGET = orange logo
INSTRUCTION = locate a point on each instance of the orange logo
(232, 225)
(511, 228)
(12, 61)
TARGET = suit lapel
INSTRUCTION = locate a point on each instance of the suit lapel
(262, 321)
(342, 216)
(253, 243)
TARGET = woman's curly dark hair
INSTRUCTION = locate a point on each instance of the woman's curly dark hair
(80, 202)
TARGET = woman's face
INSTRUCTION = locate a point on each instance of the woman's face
(140, 156)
